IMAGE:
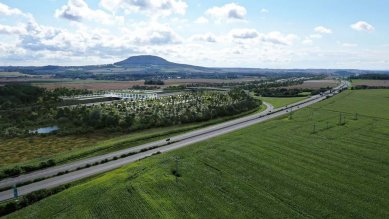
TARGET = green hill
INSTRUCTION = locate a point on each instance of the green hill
(305, 165)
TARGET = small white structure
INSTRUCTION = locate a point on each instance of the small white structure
(125, 95)
(131, 95)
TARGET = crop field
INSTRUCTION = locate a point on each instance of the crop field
(91, 85)
(119, 85)
(316, 84)
(371, 83)
(208, 81)
(13, 74)
(278, 102)
(322, 161)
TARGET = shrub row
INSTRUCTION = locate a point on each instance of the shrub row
(15, 171)
(29, 199)
(363, 87)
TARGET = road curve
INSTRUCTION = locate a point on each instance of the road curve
(179, 142)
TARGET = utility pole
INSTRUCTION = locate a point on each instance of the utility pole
(340, 119)
(15, 189)
(177, 173)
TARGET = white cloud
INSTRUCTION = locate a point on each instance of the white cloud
(362, 26)
(5, 29)
(208, 37)
(323, 30)
(75, 10)
(111, 5)
(276, 37)
(150, 7)
(11, 52)
(229, 11)
(8, 11)
(264, 11)
(78, 10)
(155, 34)
(244, 33)
(307, 41)
(315, 36)
(201, 20)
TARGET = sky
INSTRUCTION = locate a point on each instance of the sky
(347, 34)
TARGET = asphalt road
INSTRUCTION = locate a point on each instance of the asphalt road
(177, 142)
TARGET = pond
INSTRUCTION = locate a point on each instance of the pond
(45, 130)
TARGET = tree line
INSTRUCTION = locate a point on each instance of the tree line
(371, 76)
(22, 95)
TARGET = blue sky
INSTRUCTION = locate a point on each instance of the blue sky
(262, 33)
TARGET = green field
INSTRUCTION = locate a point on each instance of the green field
(283, 168)
(12, 74)
(278, 102)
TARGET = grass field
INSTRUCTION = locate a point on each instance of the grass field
(278, 102)
(119, 85)
(316, 84)
(279, 169)
(13, 74)
(371, 83)
(33, 150)
(92, 84)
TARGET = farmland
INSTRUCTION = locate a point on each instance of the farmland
(118, 85)
(12, 74)
(370, 83)
(311, 164)
(316, 84)
(94, 85)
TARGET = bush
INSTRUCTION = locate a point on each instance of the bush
(13, 171)
(25, 169)
(29, 199)
(8, 208)
(176, 173)
(46, 164)
(154, 82)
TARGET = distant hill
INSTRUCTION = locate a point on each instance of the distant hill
(144, 60)
(151, 61)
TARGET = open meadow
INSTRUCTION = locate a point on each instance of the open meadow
(328, 160)
(370, 83)
(96, 85)
(316, 84)
(13, 74)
